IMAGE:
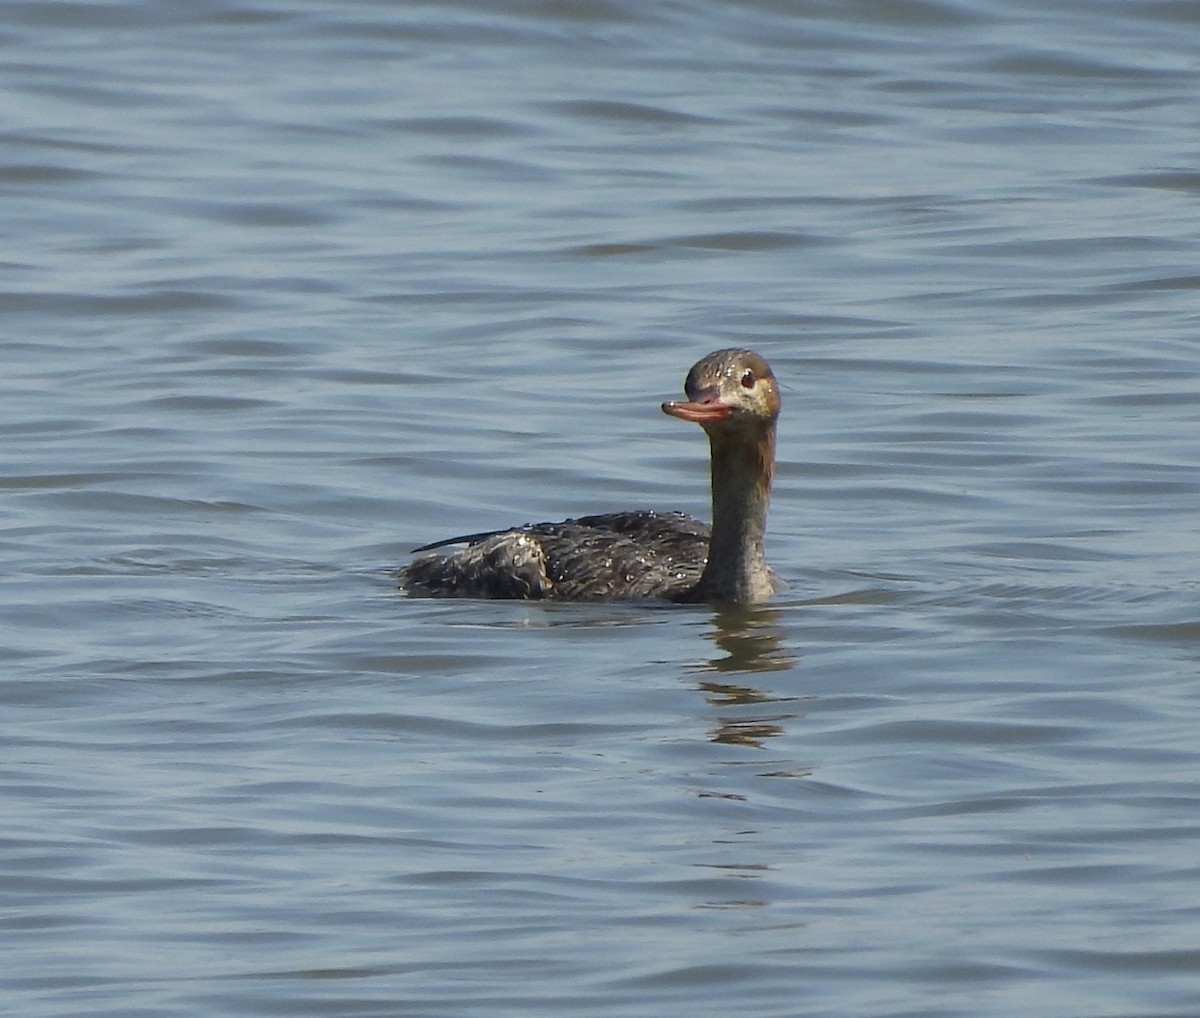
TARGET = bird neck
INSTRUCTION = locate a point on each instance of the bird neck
(743, 466)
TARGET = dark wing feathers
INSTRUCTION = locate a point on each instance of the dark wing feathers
(629, 556)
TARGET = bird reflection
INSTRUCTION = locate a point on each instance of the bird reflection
(751, 641)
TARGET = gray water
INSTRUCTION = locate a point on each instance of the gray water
(291, 287)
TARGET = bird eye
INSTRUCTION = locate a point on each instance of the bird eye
(748, 380)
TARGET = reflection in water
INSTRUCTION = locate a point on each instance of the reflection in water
(748, 731)
(752, 642)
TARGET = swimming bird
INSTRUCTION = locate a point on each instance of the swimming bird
(624, 556)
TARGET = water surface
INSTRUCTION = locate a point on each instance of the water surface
(292, 287)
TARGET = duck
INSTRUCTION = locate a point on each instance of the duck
(643, 554)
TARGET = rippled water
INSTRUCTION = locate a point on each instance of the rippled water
(291, 287)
